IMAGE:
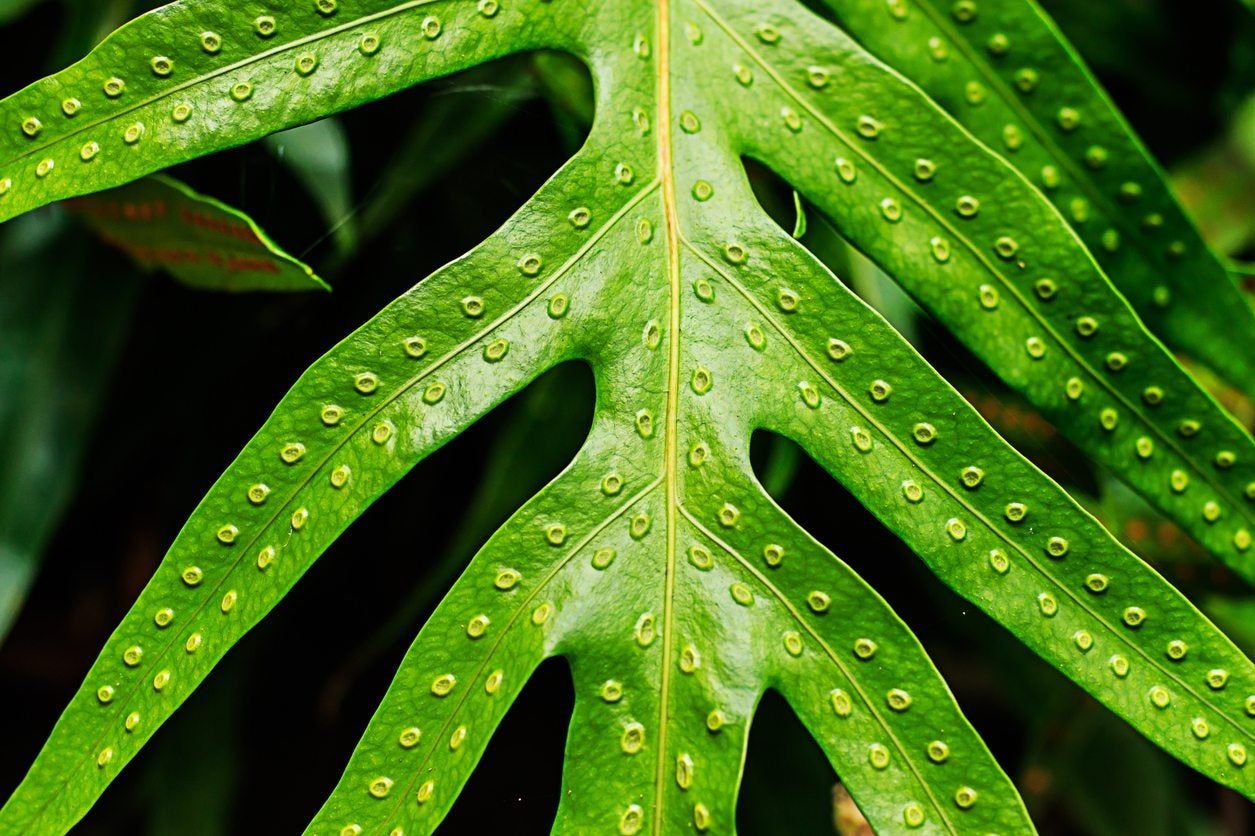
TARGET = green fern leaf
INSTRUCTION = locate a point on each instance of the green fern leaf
(655, 563)
(225, 76)
(1003, 69)
(1007, 276)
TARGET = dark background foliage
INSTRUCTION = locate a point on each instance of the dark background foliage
(194, 374)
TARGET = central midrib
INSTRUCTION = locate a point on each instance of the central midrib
(671, 492)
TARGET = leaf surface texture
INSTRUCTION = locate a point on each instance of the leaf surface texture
(655, 563)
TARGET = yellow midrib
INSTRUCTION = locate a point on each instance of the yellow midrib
(671, 493)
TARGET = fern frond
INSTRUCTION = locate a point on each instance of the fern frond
(1004, 70)
(655, 563)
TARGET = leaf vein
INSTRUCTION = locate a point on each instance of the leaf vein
(980, 256)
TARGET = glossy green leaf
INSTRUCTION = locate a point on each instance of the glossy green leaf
(1003, 69)
(164, 224)
(655, 563)
(871, 283)
(976, 245)
(189, 78)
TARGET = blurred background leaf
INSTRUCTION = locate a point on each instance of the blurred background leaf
(318, 156)
(163, 224)
(63, 313)
(1217, 184)
(9, 9)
